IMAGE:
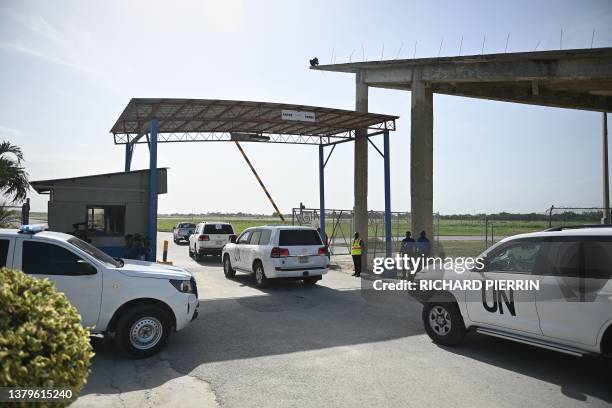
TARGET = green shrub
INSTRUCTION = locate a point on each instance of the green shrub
(42, 342)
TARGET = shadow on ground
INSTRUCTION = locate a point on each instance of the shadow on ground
(577, 377)
(290, 317)
(287, 317)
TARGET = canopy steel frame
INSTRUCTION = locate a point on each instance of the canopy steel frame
(182, 121)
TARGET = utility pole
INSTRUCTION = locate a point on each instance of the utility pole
(606, 176)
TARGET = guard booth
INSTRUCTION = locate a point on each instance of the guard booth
(101, 208)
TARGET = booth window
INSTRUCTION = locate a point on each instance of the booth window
(106, 220)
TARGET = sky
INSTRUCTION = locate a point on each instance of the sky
(68, 68)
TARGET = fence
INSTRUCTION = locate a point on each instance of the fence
(453, 235)
(339, 227)
(12, 216)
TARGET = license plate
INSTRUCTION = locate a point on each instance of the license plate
(302, 259)
(219, 242)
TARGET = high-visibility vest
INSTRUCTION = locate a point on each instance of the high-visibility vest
(356, 248)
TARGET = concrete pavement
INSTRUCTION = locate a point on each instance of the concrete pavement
(327, 346)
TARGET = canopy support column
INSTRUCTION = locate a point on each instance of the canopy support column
(152, 232)
(129, 151)
(322, 191)
(388, 239)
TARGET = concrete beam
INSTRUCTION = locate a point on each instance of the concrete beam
(421, 157)
(360, 211)
(576, 69)
(525, 94)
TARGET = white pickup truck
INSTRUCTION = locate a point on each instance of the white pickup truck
(135, 302)
(183, 231)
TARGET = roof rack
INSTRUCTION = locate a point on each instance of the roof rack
(564, 227)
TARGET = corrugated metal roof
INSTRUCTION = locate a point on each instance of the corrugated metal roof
(178, 117)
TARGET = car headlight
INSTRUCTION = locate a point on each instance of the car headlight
(183, 286)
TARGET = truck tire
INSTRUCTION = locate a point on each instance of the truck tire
(227, 268)
(143, 331)
(260, 276)
(443, 323)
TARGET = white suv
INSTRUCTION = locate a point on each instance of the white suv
(277, 252)
(570, 311)
(138, 303)
(209, 238)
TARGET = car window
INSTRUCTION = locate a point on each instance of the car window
(4, 247)
(218, 229)
(298, 237)
(48, 259)
(563, 257)
(519, 257)
(265, 237)
(186, 225)
(244, 238)
(598, 259)
(255, 236)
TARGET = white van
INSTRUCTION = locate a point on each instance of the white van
(137, 303)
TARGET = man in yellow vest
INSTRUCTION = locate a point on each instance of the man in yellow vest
(356, 251)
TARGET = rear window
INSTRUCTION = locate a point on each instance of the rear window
(218, 229)
(298, 237)
(186, 225)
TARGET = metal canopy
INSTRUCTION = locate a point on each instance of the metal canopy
(201, 120)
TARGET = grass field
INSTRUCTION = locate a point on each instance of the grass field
(444, 226)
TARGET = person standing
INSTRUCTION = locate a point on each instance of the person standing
(25, 212)
(408, 245)
(423, 245)
(407, 249)
(356, 251)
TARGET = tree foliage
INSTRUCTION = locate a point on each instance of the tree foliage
(13, 176)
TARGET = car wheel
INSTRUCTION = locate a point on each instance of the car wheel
(227, 268)
(311, 280)
(443, 323)
(190, 252)
(260, 276)
(143, 331)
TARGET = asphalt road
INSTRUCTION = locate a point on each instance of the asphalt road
(331, 345)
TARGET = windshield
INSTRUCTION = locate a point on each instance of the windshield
(95, 252)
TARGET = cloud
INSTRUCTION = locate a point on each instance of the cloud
(72, 50)
(9, 132)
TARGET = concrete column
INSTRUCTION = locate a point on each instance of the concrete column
(421, 158)
(361, 168)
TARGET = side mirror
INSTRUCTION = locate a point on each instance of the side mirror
(233, 239)
(85, 268)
